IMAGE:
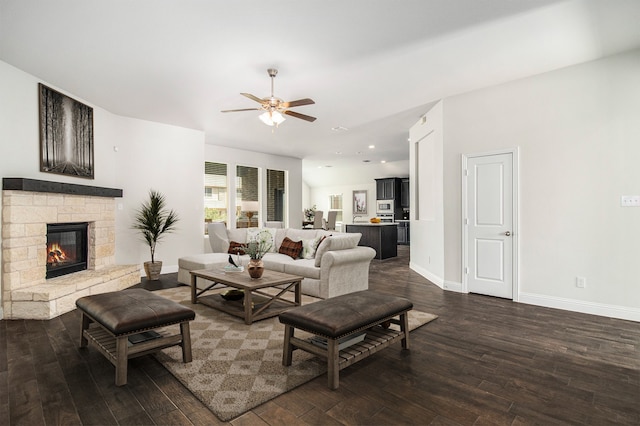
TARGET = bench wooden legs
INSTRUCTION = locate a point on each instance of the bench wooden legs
(84, 325)
(404, 328)
(287, 351)
(118, 351)
(186, 342)
(333, 364)
(378, 337)
(122, 360)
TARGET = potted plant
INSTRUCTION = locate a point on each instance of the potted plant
(153, 220)
(256, 250)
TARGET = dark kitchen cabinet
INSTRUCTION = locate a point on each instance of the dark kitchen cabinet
(387, 188)
(403, 233)
(405, 196)
(382, 237)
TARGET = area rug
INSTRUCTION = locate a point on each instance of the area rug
(237, 367)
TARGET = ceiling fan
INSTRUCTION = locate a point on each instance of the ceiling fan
(274, 107)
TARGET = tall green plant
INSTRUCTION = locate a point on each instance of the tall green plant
(153, 220)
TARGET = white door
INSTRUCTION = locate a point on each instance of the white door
(489, 225)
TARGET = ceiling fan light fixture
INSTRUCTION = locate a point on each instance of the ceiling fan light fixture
(274, 107)
(271, 118)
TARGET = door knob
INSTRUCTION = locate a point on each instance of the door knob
(508, 233)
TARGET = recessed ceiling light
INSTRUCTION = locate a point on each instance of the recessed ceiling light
(383, 161)
(339, 129)
(372, 146)
(359, 153)
(366, 161)
(339, 152)
(328, 165)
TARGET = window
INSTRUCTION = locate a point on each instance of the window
(247, 197)
(275, 195)
(335, 203)
(215, 193)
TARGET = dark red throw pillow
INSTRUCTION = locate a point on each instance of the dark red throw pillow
(235, 248)
(291, 248)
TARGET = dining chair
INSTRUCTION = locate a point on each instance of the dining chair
(317, 219)
(330, 223)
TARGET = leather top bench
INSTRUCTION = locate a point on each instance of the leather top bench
(125, 313)
(337, 318)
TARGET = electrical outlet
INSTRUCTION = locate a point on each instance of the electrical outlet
(581, 282)
(630, 201)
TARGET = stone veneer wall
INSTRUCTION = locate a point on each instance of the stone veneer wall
(26, 293)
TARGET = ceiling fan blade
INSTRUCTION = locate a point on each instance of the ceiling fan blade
(243, 109)
(252, 97)
(298, 115)
(299, 102)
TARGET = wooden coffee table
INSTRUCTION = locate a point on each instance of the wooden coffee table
(256, 304)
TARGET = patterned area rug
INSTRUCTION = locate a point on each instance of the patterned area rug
(237, 367)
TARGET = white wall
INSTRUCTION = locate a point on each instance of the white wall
(361, 179)
(168, 159)
(427, 212)
(578, 133)
(306, 196)
(320, 197)
(150, 155)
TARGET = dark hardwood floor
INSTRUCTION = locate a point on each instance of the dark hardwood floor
(483, 361)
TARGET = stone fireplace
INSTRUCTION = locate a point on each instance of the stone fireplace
(28, 207)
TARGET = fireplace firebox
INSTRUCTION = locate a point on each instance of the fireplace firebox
(66, 248)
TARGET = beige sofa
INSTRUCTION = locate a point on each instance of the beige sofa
(339, 266)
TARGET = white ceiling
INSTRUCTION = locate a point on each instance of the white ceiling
(372, 66)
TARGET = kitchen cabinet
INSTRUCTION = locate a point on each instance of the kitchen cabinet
(387, 188)
(382, 237)
(405, 196)
(403, 232)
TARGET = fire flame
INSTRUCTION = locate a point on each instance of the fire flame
(56, 254)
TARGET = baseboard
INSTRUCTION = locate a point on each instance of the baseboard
(611, 311)
(427, 274)
(453, 286)
(592, 308)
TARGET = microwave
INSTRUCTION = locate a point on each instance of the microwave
(384, 206)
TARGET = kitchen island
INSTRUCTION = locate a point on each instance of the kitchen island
(382, 237)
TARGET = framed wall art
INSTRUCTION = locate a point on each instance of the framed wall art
(66, 134)
(360, 202)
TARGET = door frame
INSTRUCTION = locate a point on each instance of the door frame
(515, 233)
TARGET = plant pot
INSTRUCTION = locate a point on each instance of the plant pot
(256, 268)
(153, 269)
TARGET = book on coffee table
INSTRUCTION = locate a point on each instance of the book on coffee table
(143, 337)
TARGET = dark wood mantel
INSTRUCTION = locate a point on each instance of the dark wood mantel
(34, 185)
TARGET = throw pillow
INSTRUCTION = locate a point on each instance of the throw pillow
(235, 248)
(309, 248)
(290, 248)
(267, 235)
(323, 247)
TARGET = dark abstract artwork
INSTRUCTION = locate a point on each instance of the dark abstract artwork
(66, 135)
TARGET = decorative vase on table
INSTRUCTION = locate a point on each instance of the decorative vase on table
(256, 268)
(256, 249)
